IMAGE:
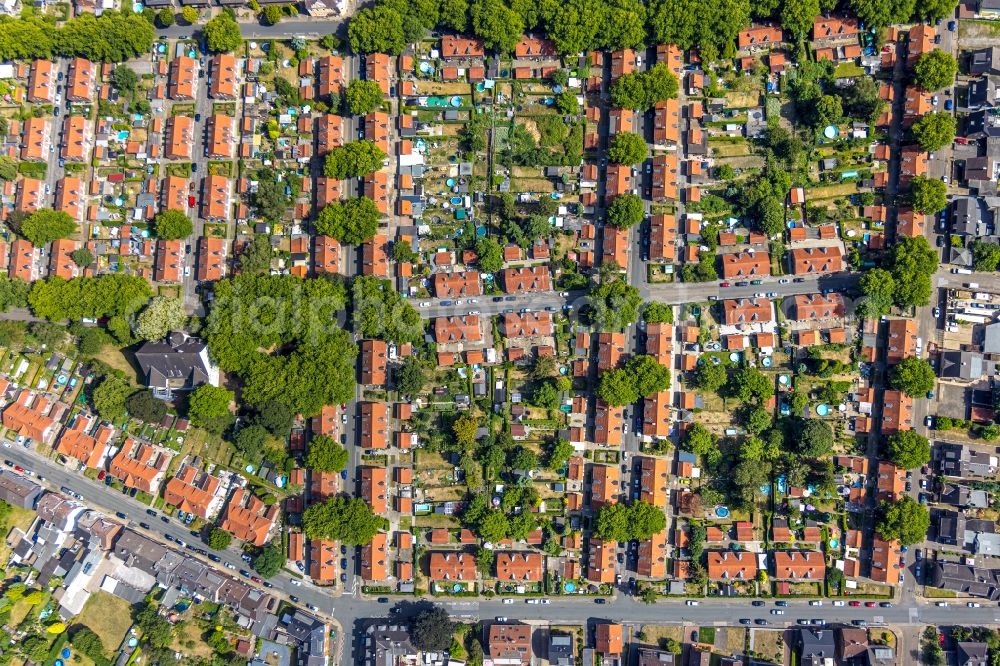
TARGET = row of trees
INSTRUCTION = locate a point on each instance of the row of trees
(905, 282)
(111, 37)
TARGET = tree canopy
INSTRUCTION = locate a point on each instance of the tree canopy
(747, 382)
(93, 297)
(354, 159)
(879, 288)
(313, 359)
(172, 225)
(636, 521)
(353, 221)
(222, 34)
(46, 225)
(326, 455)
(145, 407)
(112, 37)
(269, 559)
(432, 629)
(219, 539)
(348, 520)
(928, 195)
(641, 377)
(935, 70)
(376, 29)
(627, 148)
(208, 407)
(912, 262)
(626, 210)
(160, 317)
(815, 438)
(934, 131)
(905, 521)
(913, 376)
(363, 96)
(381, 312)
(613, 302)
(908, 449)
(643, 89)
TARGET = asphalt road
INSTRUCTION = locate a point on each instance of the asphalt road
(313, 28)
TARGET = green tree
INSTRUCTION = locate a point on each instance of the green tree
(109, 397)
(219, 539)
(614, 303)
(796, 16)
(143, 406)
(349, 520)
(913, 261)
(190, 15)
(497, 24)
(46, 225)
(747, 382)
(272, 14)
(710, 377)
(465, 428)
(208, 407)
(8, 168)
(641, 377)
(157, 632)
(173, 224)
(222, 34)
(363, 96)
(82, 257)
(985, 256)
(638, 521)
(494, 526)
(642, 90)
(276, 417)
(756, 419)
(935, 70)
(256, 257)
(815, 438)
(545, 395)
(354, 221)
(913, 376)
(567, 103)
(908, 449)
(627, 148)
(160, 317)
(935, 130)
(353, 160)
(700, 440)
(558, 454)
(250, 441)
(878, 287)
(377, 29)
(165, 17)
(271, 558)
(490, 255)
(269, 198)
(326, 455)
(432, 629)
(904, 520)
(410, 377)
(125, 79)
(658, 313)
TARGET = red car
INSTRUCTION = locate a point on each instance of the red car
(725, 284)
(855, 604)
(870, 604)
(18, 468)
(100, 477)
(191, 201)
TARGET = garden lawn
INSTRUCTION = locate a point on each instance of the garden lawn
(107, 616)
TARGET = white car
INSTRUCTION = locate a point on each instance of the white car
(296, 583)
(508, 601)
(531, 601)
(501, 618)
(815, 602)
(229, 566)
(759, 294)
(838, 603)
(942, 604)
(692, 602)
(973, 604)
(783, 281)
(425, 304)
(473, 301)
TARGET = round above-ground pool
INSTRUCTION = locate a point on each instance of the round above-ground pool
(831, 131)
(734, 357)
(783, 380)
(450, 182)
(456, 101)
(822, 409)
(65, 654)
(834, 543)
(766, 362)
(570, 586)
(425, 67)
(722, 512)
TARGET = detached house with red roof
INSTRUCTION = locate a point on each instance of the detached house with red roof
(140, 466)
(194, 491)
(29, 416)
(82, 442)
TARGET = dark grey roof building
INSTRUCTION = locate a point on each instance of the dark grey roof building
(19, 490)
(176, 363)
(969, 653)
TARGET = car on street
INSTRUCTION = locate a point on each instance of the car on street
(780, 603)
(164, 519)
(508, 601)
(885, 604)
(838, 602)
(121, 515)
(942, 604)
(144, 526)
(215, 558)
(815, 602)
(600, 601)
(296, 583)
(973, 604)
(228, 565)
(858, 623)
(293, 598)
(150, 512)
(383, 600)
(854, 604)
(870, 604)
(783, 281)
(725, 284)
(761, 621)
(692, 602)
(746, 620)
(777, 611)
(757, 603)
